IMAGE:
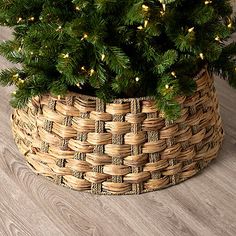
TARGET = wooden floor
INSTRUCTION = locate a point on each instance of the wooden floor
(204, 205)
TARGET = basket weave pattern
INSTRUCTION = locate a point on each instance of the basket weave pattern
(124, 147)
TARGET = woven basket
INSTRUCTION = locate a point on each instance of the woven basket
(124, 147)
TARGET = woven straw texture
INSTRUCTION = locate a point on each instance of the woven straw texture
(124, 147)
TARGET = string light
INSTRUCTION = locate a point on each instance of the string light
(65, 55)
(229, 25)
(164, 7)
(14, 92)
(31, 53)
(21, 81)
(31, 18)
(85, 36)
(140, 27)
(207, 2)
(191, 30)
(145, 23)
(79, 86)
(145, 8)
(92, 71)
(15, 76)
(173, 74)
(201, 56)
(77, 8)
(19, 20)
(103, 57)
(167, 86)
(83, 68)
(59, 28)
(162, 13)
(217, 38)
(137, 79)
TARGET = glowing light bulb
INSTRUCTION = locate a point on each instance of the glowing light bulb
(85, 36)
(103, 57)
(201, 56)
(191, 30)
(145, 8)
(229, 25)
(92, 71)
(59, 28)
(65, 55)
(207, 2)
(19, 20)
(173, 74)
(145, 23)
(16, 76)
(164, 7)
(217, 38)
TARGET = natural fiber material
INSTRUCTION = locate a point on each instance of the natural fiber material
(124, 147)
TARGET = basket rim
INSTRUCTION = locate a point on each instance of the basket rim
(115, 100)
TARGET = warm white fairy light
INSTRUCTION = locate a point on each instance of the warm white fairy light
(217, 38)
(164, 7)
(91, 72)
(59, 28)
(173, 74)
(145, 7)
(103, 57)
(16, 76)
(85, 36)
(191, 30)
(145, 23)
(19, 19)
(229, 25)
(65, 55)
(21, 81)
(137, 79)
(162, 13)
(201, 56)
(207, 2)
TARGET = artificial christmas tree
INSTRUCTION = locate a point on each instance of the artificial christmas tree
(117, 96)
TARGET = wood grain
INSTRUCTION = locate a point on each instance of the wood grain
(202, 206)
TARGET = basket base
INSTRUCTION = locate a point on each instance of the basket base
(124, 147)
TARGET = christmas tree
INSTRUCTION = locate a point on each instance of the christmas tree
(116, 48)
